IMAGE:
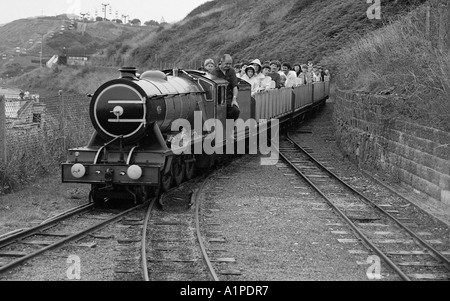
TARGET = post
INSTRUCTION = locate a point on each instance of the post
(63, 129)
(2, 130)
(427, 22)
(442, 28)
(104, 9)
(42, 49)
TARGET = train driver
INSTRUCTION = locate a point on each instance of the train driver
(226, 71)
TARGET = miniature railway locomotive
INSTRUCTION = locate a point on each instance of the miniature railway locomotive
(130, 154)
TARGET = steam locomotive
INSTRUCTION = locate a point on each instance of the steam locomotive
(131, 153)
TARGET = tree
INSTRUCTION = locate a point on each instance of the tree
(135, 22)
(12, 69)
(99, 19)
(152, 23)
(118, 21)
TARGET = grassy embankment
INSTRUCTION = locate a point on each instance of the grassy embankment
(401, 60)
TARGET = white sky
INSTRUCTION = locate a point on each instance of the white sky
(145, 10)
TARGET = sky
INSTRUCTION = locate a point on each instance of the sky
(144, 10)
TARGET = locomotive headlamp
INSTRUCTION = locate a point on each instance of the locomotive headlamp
(118, 111)
(134, 172)
(77, 154)
(78, 171)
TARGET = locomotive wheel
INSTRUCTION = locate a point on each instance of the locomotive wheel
(178, 170)
(166, 182)
(189, 170)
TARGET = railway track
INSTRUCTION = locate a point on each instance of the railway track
(377, 225)
(20, 247)
(172, 246)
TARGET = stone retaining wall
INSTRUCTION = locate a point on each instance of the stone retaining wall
(415, 155)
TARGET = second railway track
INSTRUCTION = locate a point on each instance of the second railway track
(172, 244)
(23, 246)
(373, 221)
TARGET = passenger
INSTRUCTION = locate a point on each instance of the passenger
(267, 81)
(244, 65)
(250, 77)
(322, 74)
(327, 75)
(309, 74)
(316, 75)
(258, 68)
(209, 65)
(274, 68)
(297, 69)
(290, 75)
(237, 69)
(226, 72)
(283, 79)
(302, 75)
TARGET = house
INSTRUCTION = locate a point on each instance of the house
(24, 115)
(73, 57)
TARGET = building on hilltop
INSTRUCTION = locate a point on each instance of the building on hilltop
(73, 57)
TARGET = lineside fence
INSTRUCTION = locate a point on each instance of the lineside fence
(35, 134)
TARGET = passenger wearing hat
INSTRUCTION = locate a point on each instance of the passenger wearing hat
(258, 68)
(250, 77)
(209, 65)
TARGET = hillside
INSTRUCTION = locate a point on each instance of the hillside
(291, 30)
(20, 40)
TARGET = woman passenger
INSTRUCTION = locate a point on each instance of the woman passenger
(297, 69)
(267, 81)
(258, 68)
(250, 77)
(209, 65)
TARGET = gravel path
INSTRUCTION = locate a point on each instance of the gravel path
(275, 231)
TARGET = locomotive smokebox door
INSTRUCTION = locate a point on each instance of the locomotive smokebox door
(119, 110)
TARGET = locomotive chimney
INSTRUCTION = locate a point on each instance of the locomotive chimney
(128, 72)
